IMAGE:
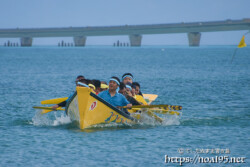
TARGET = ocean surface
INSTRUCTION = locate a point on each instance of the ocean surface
(214, 93)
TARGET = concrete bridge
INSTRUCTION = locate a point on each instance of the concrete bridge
(134, 32)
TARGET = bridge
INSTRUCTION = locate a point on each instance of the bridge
(134, 32)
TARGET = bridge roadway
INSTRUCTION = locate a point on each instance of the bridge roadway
(134, 32)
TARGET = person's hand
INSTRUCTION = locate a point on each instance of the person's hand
(129, 106)
(55, 107)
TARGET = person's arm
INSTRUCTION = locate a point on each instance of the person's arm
(129, 106)
(55, 107)
(62, 104)
(126, 102)
(132, 100)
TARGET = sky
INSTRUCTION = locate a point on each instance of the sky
(81, 13)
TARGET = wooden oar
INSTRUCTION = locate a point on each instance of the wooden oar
(54, 101)
(47, 109)
(161, 111)
(148, 112)
(151, 114)
(161, 106)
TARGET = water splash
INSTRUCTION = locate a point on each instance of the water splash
(50, 120)
(61, 120)
(171, 120)
(167, 120)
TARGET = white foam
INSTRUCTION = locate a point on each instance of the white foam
(171, 120)
(50, 120)
(108, 125)
(167, 120)
(61, 120)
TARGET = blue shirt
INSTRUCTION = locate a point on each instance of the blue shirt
(117, 100)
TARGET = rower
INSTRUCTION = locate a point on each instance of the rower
(97, 84)
(137, 93)
(129, 89)
(122, 88)
(79, 77)
(129, 94)
(127, 77)
(126, 91)
(137, 88)
(112, 96)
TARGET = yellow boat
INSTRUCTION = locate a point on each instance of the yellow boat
(88, 109)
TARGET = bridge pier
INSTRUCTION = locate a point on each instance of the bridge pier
(135, 40)
(80, 41)
(26, 41)
(194, 38)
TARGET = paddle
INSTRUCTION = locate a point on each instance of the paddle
(48, 109)
(150, 113)
(54, 101)
(161, 111)
(161, 106)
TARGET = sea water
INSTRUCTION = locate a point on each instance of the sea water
(214, 93)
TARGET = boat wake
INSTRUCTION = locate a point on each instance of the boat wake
(50, 119)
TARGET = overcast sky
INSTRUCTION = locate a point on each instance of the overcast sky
(75, 13)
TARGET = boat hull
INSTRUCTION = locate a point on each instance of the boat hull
(88, 109)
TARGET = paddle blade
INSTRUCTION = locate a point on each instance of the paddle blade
(150, 97)
(156, 110)
(47, 108)
(160, 111)
(45, 111)
(161, 106)
(54, 101)
(171, 107)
